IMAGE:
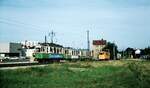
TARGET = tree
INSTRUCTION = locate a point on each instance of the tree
(112, 47)
(147, 51)
(129, 52)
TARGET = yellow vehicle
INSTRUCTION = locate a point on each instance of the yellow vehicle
(103, 55)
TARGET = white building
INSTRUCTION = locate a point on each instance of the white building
(29, 44)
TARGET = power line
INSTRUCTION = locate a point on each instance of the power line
(14, 24)
(17, 23)
(20, 22)
(52, 35)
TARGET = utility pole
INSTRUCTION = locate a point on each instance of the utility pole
(45, 39)
(114, 51)
(52, 34)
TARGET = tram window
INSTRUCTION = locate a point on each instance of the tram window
(54, 50)
(65, 51)
(101, 53)
(57, 51)
(51, 49)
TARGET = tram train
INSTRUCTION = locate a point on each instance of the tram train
(53, 52)
(104, 55)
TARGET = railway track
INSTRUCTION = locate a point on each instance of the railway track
(21, 64)
(17, 64)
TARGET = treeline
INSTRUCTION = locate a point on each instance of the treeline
(131, 53)
(127, 53)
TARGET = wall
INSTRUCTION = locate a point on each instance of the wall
(29, 52)
(96, 49)
(15, 48)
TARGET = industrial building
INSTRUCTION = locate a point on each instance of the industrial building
(10, 50)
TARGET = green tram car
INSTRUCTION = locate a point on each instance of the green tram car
(45, 57)
(53, 52)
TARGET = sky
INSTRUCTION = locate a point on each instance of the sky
(124, 22)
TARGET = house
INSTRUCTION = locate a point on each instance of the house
(98, 45)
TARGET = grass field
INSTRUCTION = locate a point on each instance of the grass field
(103, 74)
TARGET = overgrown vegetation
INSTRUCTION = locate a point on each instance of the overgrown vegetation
(141, 73)
(104, 74)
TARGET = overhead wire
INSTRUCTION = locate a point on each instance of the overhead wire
(22, 24)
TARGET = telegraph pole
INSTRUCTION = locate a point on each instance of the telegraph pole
(52, 34)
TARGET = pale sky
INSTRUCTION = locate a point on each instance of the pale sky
(126, 22)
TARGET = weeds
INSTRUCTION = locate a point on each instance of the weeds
(79, 75)
(140, 74)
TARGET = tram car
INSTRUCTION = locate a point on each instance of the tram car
(104, 55)
(48, 52)
(48, 57)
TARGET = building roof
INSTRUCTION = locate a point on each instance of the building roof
(51, 44)
(99, 42)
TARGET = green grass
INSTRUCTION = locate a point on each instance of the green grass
(104, 74)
